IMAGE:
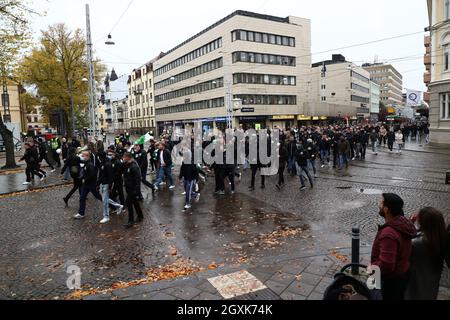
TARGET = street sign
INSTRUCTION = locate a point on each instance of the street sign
(248, 110)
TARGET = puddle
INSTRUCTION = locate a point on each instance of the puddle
(370, 191)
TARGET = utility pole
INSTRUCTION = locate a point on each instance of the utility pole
(91, 78)
(72, 111)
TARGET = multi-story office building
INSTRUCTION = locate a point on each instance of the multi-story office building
(439, 87)
(390, 81)
(262, 60)
(374, 101)
(339, 89)
(141, 106)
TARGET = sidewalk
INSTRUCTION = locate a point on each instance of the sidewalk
(295, 278)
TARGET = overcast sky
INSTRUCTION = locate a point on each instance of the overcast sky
(149, 27)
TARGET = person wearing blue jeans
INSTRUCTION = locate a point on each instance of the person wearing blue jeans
(302, 167)
(165, 167)
(89, 182)
(85, 190)
(104, 191)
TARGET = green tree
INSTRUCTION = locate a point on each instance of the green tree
(56, 63)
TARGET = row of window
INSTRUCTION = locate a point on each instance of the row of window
(360, 99)
(199, 105)
(201, 87)
(207, 48)
(140, 87)
(360, 88)
(266, 99)
(145, 98)
(264, 79)
(358, 76)
(204, 68)
(265, 58)
(137, 113)
(260, 37)
(143, 124)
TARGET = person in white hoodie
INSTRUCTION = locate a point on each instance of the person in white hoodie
(399, 141)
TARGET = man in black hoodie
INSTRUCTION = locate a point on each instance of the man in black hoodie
(132, 180)
(104, 184)
(117, 172)
(88, 182)
(43, 153)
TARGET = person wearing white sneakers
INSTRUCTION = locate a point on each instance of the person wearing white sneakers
(189, 173)
(399, 141)
(165, 167)
(31, 159)
(104, 183)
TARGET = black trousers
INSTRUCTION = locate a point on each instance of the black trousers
(219, 175)
(394, 289)
(230, 172)
(76, 186)
(254, 168)
(390, 145)
(144, 178)
(117, 190)
(132, 202)
(32, 171)
(363, 150)
(153, 165)
(281, 174)
(56, 158)
(45, 157)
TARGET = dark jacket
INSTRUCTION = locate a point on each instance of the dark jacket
(31, 158)
(424, 275)
(189, 172)
(343, 147)
(73, 163)
(105, 175)
(292, 148)
(391, 249)
(312, 151)
(42, 149)
(391, 136)
(167, 156)
(283, 153)
(89, 173)
(65, 150)
(302, 157)
(117, 170)
(132, 178)
(141, 159)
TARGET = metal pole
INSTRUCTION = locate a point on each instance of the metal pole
(71, 107)
(92, 87)
(355, 250)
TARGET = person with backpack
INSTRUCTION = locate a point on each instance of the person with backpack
(429, 250)
(392, 247)
(73, 165)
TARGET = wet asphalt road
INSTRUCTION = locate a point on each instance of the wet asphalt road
(40, 239)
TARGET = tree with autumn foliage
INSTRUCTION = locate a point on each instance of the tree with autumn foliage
(57, 61)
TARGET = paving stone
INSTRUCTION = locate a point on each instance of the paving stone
(300, 288)
(315, 296)
(283, 277)
(261, 276)
(276, 287)
(162, 296)
(133, 291)
(292, 296)
(185, 293)
(317, 269)
(309, 278)
(207, 287)
(99, 297)
(207, 296)
(295, 267)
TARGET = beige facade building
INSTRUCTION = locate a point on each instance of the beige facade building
(390, 81)
(262, 60)
(36, 119)
(141, 106)
(16, 112)
(439, 86)
(339, 89)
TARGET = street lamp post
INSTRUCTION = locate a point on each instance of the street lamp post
(91, 76)
(72, 111)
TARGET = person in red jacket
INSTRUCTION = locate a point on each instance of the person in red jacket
(392, 247)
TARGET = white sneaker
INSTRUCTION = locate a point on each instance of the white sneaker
(43, 177)
(26, 183)
(104, 220)
(171, 187)
(120, 210)
(53, 170)
(184, 193)
(78, 216)
(163, 183)
(188, 206)
(198, 197)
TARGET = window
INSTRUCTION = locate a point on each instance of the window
(446, 56)
(250, 36)
(267, 99)
(272, 39)
(447, 9)
(445, 106)
(265, 38)
(243, 35)
(258, 37)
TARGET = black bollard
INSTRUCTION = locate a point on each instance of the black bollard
(355, 251)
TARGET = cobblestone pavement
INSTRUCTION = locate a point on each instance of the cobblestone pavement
(242, 231)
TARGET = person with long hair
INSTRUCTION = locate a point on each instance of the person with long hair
(429, 250)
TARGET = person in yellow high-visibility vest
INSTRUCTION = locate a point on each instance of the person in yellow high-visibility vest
(55, 145)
